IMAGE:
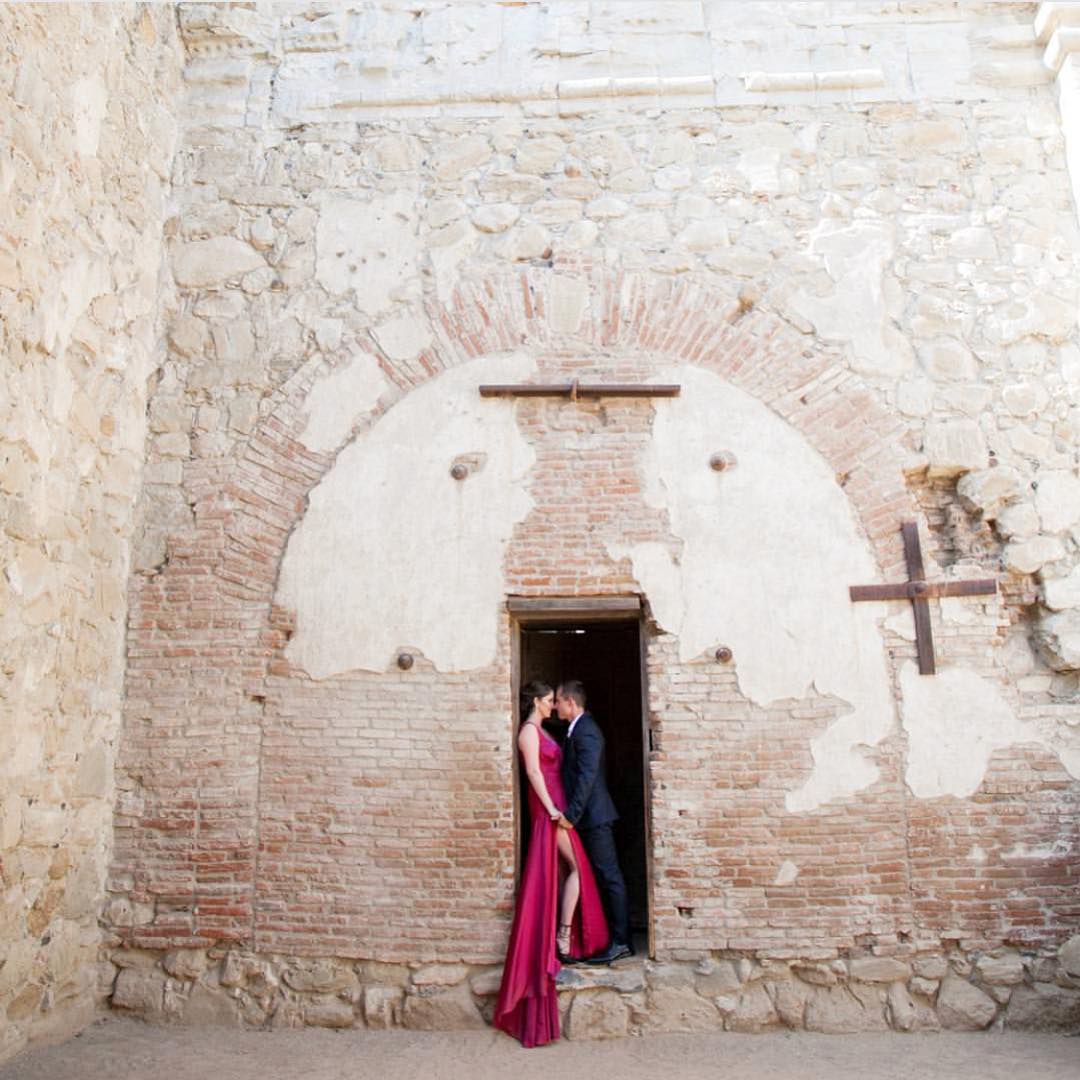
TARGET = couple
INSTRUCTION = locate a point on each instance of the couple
(571, 814)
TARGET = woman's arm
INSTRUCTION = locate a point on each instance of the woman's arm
(529, 744)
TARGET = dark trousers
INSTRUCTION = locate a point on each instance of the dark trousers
(600, 847)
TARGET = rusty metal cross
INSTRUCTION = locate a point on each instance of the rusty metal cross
(575, 390)
(918, 590)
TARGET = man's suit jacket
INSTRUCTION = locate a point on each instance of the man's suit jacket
(588, 802)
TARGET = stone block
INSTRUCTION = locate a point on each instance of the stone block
(10, 821)
(988, 490)
(1043, 1008)
(140, 990)
(1062, 592)
(495, 217)
(486, 983)
(976, 242)
(954, 446)
(1057, 499)
(460, 156)
(836, 1010)
(446, 1010)
(963, 1007)
(717, 977)
(703, 236)
(1000, 970)
(626, 978)
(439, 975)
(1020, 521)
(675, 1009)
(1069, 957)
(186, 963)
(948, 359)
(816, 974)
(597, 1014)
(203, 263)
(209, 1006)
(329, 1012)
(525, 242)
(900, 1009)
(789, 1000)
(878, 969)
(1028, 556)
(1058, 637)
(319, 976)
(382, 1006)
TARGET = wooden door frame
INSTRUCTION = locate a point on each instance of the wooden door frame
(528, 612)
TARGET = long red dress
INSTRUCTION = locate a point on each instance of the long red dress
(528, 1006)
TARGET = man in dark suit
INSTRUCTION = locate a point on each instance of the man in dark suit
(590, 810)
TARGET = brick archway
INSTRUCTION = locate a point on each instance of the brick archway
(204, 635)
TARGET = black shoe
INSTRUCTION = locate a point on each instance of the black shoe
(615, 951)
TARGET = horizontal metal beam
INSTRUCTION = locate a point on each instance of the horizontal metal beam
(926, 590)
(574, 390)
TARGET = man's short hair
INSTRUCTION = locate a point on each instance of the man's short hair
(574, 688)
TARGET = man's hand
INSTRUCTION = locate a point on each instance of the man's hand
(564, 824)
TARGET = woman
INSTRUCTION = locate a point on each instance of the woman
(527, 1006)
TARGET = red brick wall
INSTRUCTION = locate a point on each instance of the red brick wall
(372, 815)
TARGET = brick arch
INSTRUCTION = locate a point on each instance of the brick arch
(617, 313)
(211, 608)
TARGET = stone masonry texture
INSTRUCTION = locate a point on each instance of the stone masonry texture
(87, 112)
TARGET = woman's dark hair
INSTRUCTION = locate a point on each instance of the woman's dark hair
(534, 689)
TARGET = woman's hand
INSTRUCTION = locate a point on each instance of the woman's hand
(554, 814)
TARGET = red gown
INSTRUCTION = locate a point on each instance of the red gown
(527, 1006)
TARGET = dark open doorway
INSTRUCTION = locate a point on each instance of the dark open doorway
(605, 653)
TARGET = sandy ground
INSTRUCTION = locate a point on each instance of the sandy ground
(127, 1050)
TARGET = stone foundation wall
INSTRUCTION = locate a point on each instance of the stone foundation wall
(86, 143)
(948, 989)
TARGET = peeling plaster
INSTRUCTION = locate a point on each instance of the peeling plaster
(335, 403)
(393, 552)
(954, 722)
(769, 549)
(856, 311)
(370, 248)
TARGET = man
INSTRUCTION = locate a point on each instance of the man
(590, 810)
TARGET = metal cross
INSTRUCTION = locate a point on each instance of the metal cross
(918, 590)
(574, 390)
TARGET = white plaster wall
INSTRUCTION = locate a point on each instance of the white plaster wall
(393, 551)
(955, 721)
(769, 548)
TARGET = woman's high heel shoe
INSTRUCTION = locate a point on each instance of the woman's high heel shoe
(562, 944)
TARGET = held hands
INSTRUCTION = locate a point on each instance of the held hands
(557, 817)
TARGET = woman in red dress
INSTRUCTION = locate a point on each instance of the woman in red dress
(527, 1006)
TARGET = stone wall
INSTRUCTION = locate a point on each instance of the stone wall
(846, 227)
(951, 990)
(86, 100)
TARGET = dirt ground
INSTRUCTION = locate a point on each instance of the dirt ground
(127, 1050)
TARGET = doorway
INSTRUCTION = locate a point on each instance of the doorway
(603, 648)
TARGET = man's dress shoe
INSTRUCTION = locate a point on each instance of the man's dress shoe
(615, 951)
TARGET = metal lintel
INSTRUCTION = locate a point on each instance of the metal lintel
(574, 390)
